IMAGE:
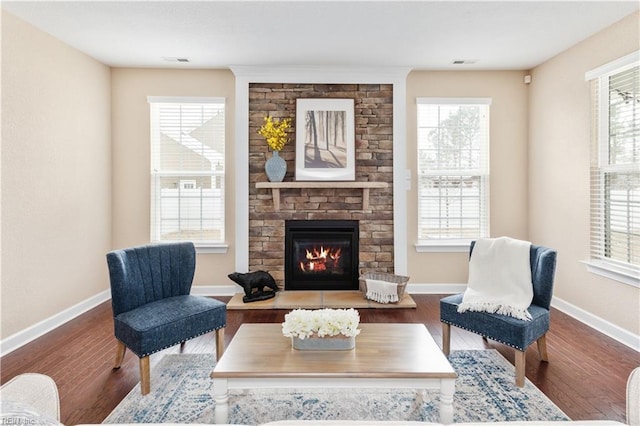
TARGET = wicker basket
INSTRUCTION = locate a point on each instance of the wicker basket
(398, 279)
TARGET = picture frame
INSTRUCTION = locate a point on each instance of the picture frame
(325, 140)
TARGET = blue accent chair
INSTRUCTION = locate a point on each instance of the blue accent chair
(513, 332)
(152, 307)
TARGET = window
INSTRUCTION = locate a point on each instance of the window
(187, 170)
(615, 169)
(453, 171)
(188, 184)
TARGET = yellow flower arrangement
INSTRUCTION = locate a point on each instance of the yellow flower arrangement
(275, 132)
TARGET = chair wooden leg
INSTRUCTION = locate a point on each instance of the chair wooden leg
(120, 350)
(520, 367)
(219, 342)
(145, 375)
(446, 338)
(542, 348)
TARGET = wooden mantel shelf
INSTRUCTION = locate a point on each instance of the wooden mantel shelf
(276, 186)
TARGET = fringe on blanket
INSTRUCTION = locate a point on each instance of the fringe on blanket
(496, 308)
(382, 291)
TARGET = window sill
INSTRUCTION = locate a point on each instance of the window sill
(212, 249)
(613, 272)
(453, 246)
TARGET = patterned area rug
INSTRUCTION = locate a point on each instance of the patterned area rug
(182, 392)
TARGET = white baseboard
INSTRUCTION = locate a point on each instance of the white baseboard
(603, 326)
(216, 290)
(31, 333)
(446, 288)
(23, 337)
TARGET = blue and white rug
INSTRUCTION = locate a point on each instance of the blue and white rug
(182, 392)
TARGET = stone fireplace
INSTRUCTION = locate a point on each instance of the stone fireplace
(373, 114)
(321, 255)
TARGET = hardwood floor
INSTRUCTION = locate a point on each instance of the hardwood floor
(586, 376)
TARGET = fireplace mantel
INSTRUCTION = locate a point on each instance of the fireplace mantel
(245, 75)
(276, 186)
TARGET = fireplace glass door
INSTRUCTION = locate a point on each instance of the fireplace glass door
(321, 255)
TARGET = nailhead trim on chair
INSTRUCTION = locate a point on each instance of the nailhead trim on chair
(173, 344)
(483, 335)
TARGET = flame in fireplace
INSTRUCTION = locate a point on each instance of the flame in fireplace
(320, 260)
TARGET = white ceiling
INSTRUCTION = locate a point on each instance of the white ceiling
(417, 34)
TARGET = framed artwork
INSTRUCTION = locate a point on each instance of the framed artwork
(325, 140)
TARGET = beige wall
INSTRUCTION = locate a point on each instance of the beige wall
(559, 143)
(508, 161)
(56, 176)
(75, 180)
(131, 157)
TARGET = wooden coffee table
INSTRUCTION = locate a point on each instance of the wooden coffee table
(385, 356)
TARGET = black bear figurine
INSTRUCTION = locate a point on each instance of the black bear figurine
(257, 281)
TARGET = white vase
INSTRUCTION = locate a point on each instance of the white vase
(329, 343)
(275, 167)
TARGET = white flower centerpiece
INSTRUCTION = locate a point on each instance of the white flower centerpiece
(322, 329)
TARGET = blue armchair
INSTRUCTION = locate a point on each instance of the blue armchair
(152, 307)
(513, 332)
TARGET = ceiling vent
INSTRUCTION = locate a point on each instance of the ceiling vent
(172, 59)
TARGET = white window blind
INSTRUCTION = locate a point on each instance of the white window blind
(187, 170)
(453, 169)
(615, 167)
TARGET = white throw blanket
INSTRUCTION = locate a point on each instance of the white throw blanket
(382, 291)
(499, 278)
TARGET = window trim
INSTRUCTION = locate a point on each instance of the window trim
(215, 247)
(186, 100)
(613, 67)
(456, 245)
(610, 268)
(443, 246)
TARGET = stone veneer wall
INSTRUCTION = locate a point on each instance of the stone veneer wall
(374, 163)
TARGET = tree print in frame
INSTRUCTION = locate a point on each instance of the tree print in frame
(325, 140)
